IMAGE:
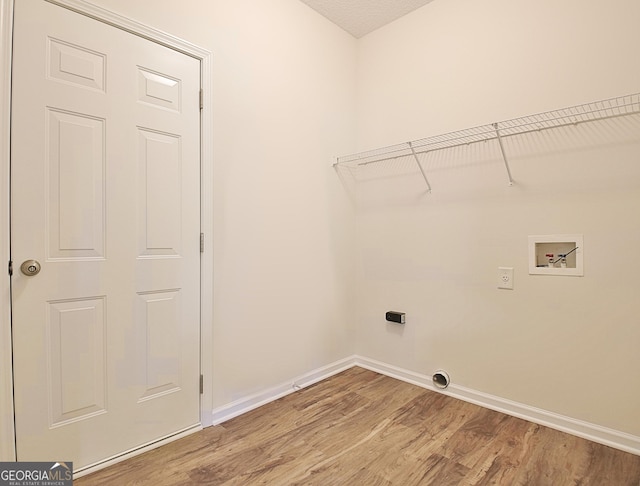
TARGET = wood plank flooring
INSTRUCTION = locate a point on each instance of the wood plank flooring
(361, 428)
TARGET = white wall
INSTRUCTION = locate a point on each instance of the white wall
(284, 107)
(564, 344)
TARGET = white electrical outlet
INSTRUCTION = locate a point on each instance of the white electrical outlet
(505, 278)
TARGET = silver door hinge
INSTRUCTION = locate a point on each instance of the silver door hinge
(201, 242)
(10, 268)
(201, 99)
(201, 384)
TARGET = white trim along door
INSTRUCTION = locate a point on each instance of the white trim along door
(105, 237)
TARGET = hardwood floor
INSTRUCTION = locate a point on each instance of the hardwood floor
(361, 428)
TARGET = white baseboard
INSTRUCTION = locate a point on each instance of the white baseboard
(596, 433)
(602, 435)
(243, 405)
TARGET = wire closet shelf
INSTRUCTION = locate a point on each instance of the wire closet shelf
(588, 112)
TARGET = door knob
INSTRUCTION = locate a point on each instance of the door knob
(30, 267)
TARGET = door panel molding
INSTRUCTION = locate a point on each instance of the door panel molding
(7, 442)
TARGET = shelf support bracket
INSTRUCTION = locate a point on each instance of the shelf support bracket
(504, 155)
(424, 175)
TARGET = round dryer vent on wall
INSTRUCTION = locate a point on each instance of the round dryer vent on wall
(441, 379)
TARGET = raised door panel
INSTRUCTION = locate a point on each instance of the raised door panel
(160, 318)
(75, 182)
(77, 354)
(159, 90)
(160, 193)
(76, 65)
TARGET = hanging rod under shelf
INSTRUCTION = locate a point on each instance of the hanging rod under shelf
(588, 112)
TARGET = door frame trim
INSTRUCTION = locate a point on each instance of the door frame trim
(7, 428)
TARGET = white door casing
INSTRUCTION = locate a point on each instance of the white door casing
(7, 437)
(77, 132)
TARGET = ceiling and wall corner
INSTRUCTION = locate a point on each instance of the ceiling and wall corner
(360, 17)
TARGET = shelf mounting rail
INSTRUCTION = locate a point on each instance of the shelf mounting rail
(573, 115)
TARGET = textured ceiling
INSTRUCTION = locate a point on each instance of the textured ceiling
(359, 17)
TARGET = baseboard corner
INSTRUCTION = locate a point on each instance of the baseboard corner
(593, 432)
(251, 402)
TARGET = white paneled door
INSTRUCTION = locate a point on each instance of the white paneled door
(106, 198)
